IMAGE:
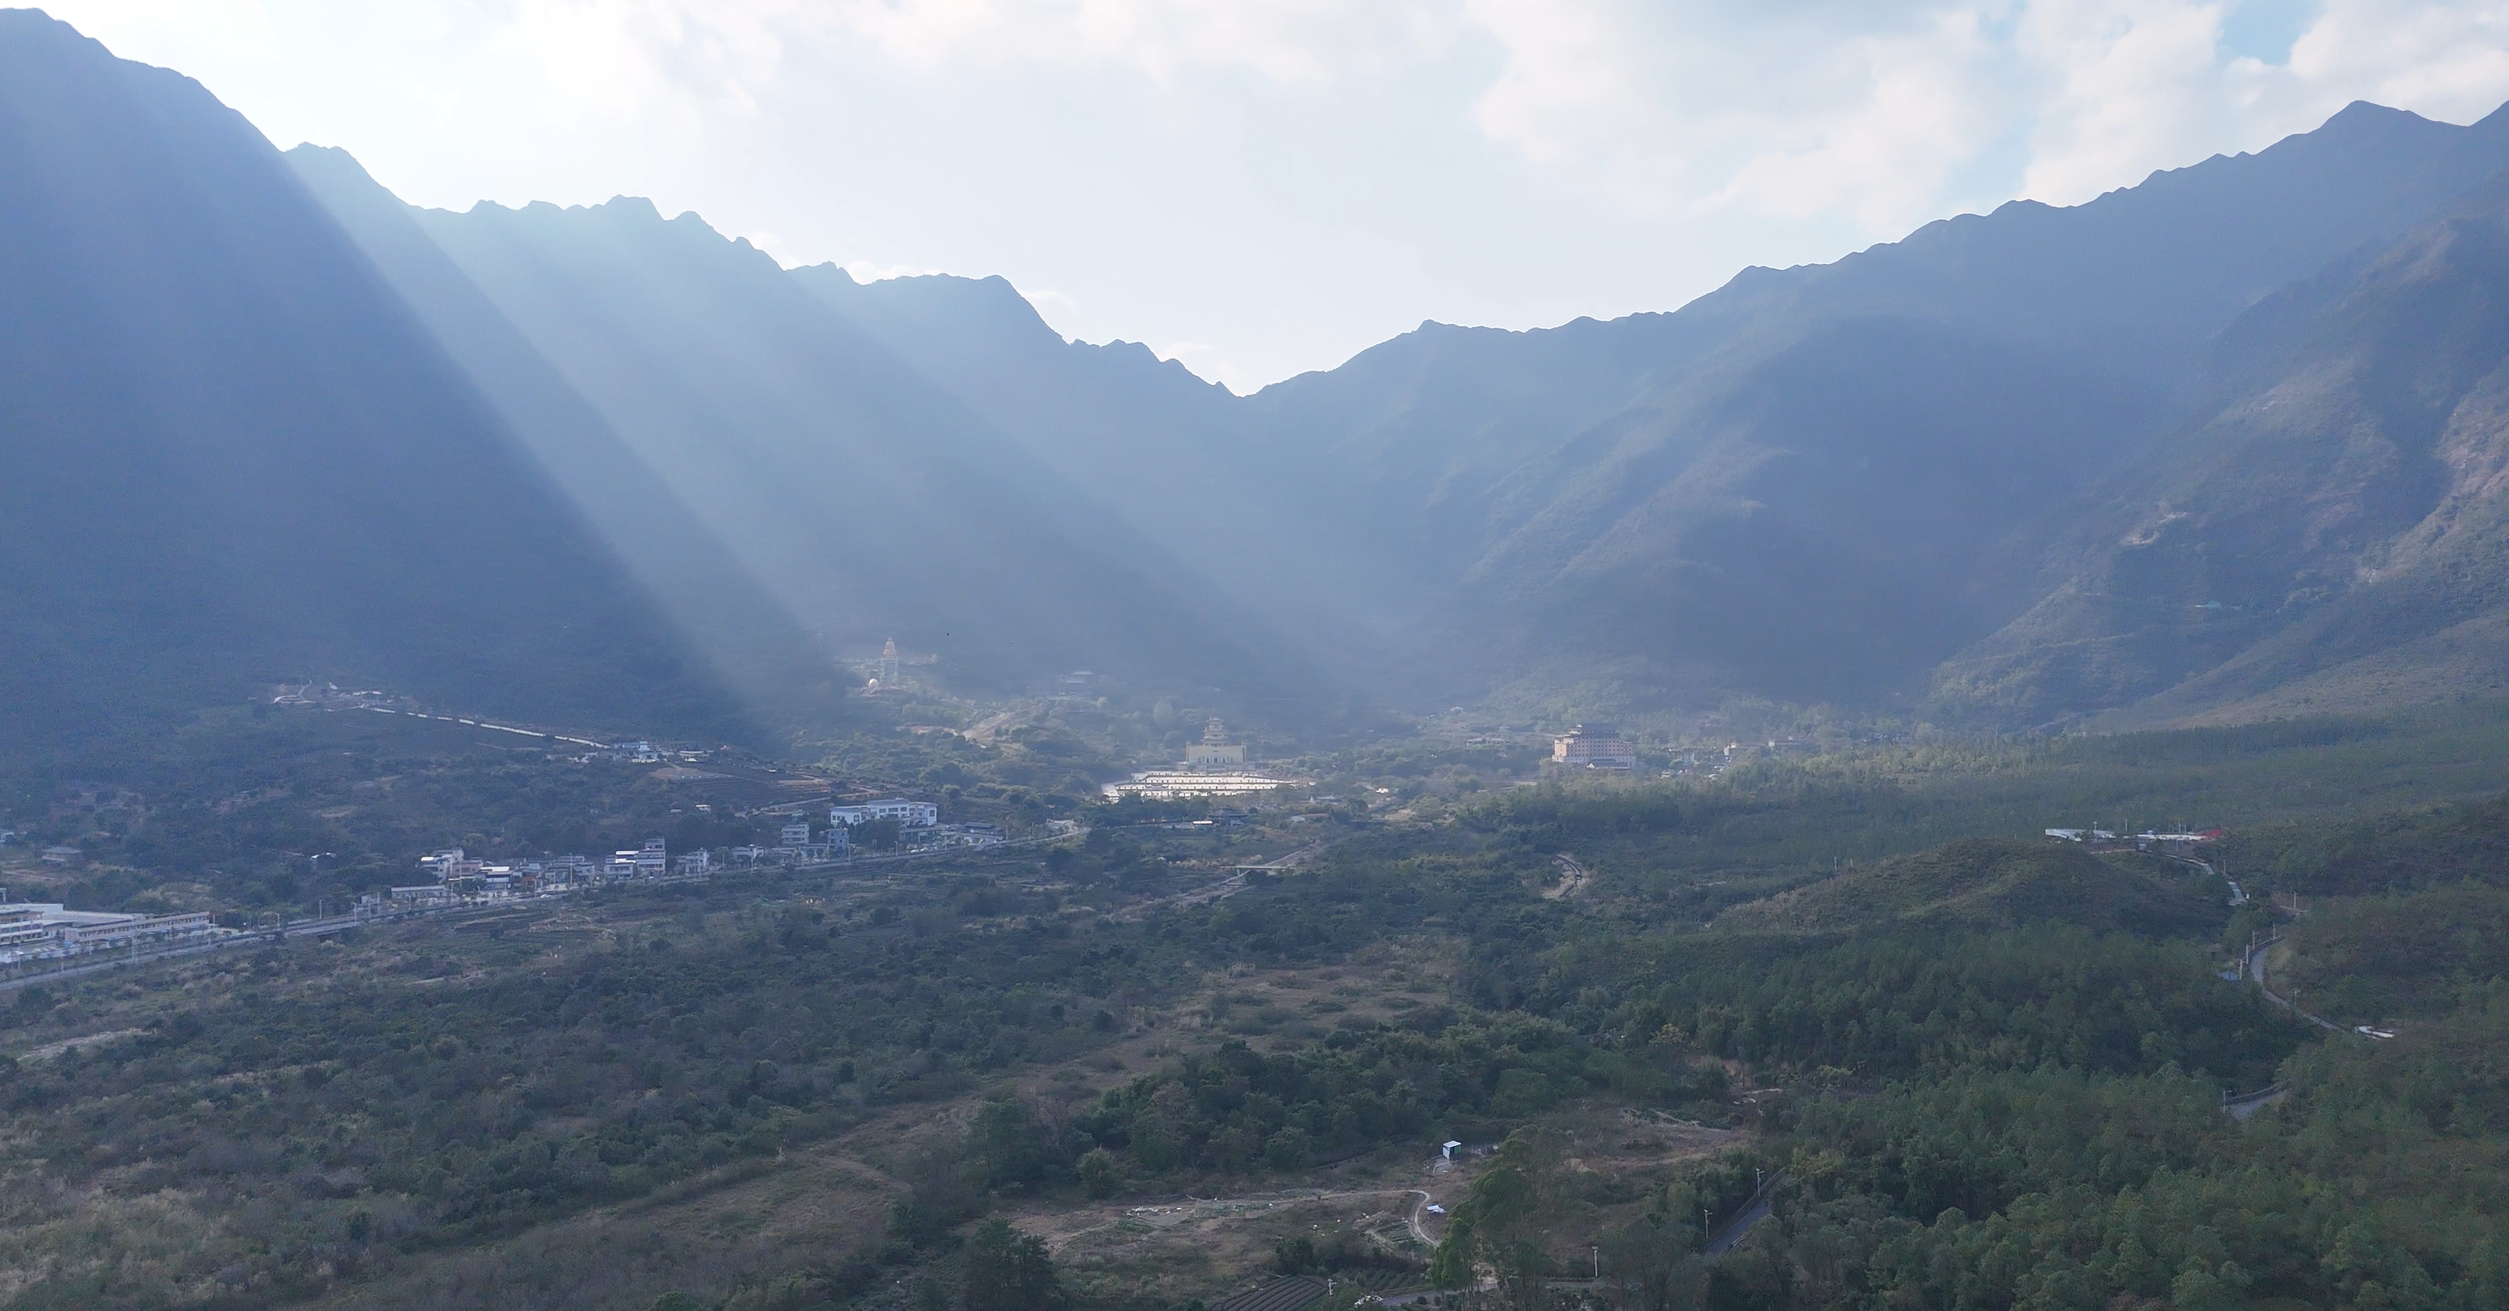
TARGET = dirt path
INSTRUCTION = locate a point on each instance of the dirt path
(1211, 892)
(1070, 1227)
(1419, 1208)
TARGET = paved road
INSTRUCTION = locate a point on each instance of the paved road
(2241, 1107)
(310, 928)
(317, 928)
(1753, 1212)
(121, 960)
(2256, 971)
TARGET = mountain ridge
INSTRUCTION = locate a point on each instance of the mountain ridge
(1619, 488)
(297, 482)
(2016, 469)
(852, 490)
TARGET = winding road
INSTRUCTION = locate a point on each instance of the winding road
(2256, 971)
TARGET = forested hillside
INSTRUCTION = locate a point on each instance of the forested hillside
(1120, 1070)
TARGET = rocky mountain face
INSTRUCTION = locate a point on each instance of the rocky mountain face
(2324, 534)
(1821, 484)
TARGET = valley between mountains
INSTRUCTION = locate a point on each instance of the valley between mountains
(551, 762)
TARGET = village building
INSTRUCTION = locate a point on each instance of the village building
(1593, 746)
(908, 814)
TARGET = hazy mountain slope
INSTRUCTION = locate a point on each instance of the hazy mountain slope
(2330, 534)
(983, 340)
(1177, 459)
(868, 501)
(233, 456)
(1817, 483)
(2224, 444)
(689, 572)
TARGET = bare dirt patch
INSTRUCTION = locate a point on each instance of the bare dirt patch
(52, 1050)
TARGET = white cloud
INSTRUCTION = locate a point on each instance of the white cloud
(2117, 88)
(2446, 60)
(1892, 114)
(1294, 41)
(863, 270)
(1909, 109)
(620, 56)
(1885, 113)
(1287, 178)
(1056, 308)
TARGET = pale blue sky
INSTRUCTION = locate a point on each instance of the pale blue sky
(1264, 188)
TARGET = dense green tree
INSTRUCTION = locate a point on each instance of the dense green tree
(1008, 1270)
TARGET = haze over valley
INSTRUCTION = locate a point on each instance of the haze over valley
(554, 759)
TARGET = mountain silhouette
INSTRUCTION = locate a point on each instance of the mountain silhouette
(866, 501)
(2220, 445)
(235, 457)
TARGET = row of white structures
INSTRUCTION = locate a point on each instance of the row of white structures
(47, 931)
(459, 877)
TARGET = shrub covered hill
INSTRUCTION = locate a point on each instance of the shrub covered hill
(1992, 1074)
(1999, 883)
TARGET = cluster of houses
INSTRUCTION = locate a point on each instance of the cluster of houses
(1602, 746)
(2147, 840)
(462, 877)
(918, 824)
(459, 877)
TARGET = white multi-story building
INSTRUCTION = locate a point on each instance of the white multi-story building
(908, 814)
(1214, 751)
(450, 864)
(1593, 746)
